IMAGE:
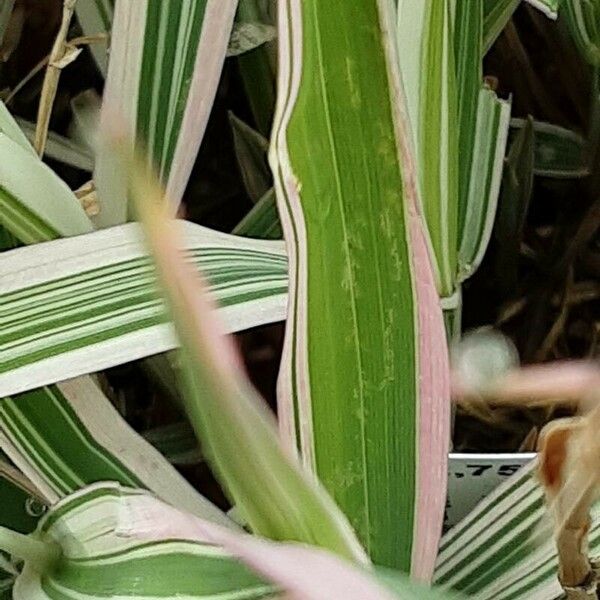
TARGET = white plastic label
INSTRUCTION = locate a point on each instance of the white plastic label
(471, 477)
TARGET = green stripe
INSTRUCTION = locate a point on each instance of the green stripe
(67, 454)
(169, 574)
(23, 223)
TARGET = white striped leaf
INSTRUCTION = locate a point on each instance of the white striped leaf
(100, 558)
(95, 16)
(505, 550)
(93, 441)
(426, 43)
(107, 541)
(303, 572)
(460, 129)
(468, 40)
(35, 205)
(363, 382)
(485, 176)
(483, 130)
(98, 438)
(262, 221)
(583, 17)
(165, 63)
(68, 436)
(88, 303)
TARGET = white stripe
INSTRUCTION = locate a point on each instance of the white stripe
(216, 29)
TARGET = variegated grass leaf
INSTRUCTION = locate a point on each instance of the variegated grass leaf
(361, 406)
(87, 542)
(88, 442)
(85, 304)
(497, 13)
(166, 60)
(262, 221)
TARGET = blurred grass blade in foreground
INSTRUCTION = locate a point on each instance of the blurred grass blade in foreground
(237, 433)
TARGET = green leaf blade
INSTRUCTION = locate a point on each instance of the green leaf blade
(349, 396)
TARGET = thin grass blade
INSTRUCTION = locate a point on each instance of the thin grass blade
(497, 13)
(262, 221)
(251, 152)
(485, 176)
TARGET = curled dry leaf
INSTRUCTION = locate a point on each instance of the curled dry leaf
(569, 469)
(569, 452)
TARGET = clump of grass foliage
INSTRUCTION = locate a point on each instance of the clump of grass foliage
(374, 162)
